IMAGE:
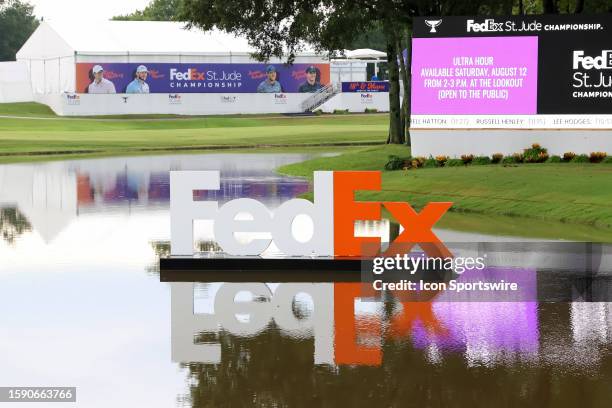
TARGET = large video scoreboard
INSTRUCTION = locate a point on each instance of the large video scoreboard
(512, 72)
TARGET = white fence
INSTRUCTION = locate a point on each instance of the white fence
(358, 102)
(179, 104)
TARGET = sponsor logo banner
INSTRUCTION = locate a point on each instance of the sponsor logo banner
(366, 98)
(73, 99)
(207, 78)
(175, 99)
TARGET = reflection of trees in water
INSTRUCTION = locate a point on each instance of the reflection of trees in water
(273, 370)
(13, 224)
(162, 249)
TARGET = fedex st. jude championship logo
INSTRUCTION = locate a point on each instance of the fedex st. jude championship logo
(333, 213)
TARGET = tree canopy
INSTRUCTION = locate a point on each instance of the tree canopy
(17, 23)
(157, 10)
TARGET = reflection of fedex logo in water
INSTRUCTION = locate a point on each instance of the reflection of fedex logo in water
(192, 74)
(345, 328)
(333, 214)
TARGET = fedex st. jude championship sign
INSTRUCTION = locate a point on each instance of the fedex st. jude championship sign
(531, 71)
(333, 213)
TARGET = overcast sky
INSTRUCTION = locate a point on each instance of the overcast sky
(85, 9)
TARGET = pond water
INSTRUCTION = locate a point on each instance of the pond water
(82, 305)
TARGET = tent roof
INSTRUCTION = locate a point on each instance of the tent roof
(363, 53)
(148, 37)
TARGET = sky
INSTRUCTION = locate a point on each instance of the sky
(85, 9)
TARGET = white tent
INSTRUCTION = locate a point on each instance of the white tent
(15, 82)
(365, 53)
(54, 48)
(46, 195)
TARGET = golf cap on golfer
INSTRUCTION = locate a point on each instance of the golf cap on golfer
(270, 68)
(141, 68)
(311, 69)
(97, 68)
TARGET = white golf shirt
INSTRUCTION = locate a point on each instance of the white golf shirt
(104, 87)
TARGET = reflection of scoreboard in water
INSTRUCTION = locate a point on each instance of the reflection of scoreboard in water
(512, 72)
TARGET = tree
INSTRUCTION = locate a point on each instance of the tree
(280, 29)
(17, 23)
(158, 10)
(13, 224)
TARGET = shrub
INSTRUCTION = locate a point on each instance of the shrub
(418, 162)
(542, 157)
(394, 163)
(318, 112)
(467, 158)
(554, 159)
(455, 162)
(508, 160)
(371, 110)
(441, 160)
(518, 157)
(581, 158)
(568, 156)
(496, 158)
(597, 157)
(431, 162)
(479, 160)
(607, 160)
(340, 111)
(535, 154)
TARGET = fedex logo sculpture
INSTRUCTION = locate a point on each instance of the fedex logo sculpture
(333, 214)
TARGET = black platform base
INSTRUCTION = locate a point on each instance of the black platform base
(256, 269)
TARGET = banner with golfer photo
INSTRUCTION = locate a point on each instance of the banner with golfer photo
(199, 78)
(512, 72)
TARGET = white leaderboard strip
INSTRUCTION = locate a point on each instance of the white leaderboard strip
(511, 122)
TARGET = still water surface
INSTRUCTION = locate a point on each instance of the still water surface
(82, 305)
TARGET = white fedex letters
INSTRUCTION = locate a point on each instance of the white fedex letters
(184, 210)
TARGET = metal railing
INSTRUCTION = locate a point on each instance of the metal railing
(319, 97)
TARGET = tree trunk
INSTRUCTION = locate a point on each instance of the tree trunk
(521, 7)
(579, 6)
(550, 7)
(405, 75)
(395, 128)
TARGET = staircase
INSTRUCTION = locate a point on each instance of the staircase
(320, 97)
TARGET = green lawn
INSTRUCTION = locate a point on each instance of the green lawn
(572, 201)
(44, 133)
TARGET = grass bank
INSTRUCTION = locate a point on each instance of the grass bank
(32, 130)
(567, 201)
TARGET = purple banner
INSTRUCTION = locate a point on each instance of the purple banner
(199, 78)
(365, 86)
